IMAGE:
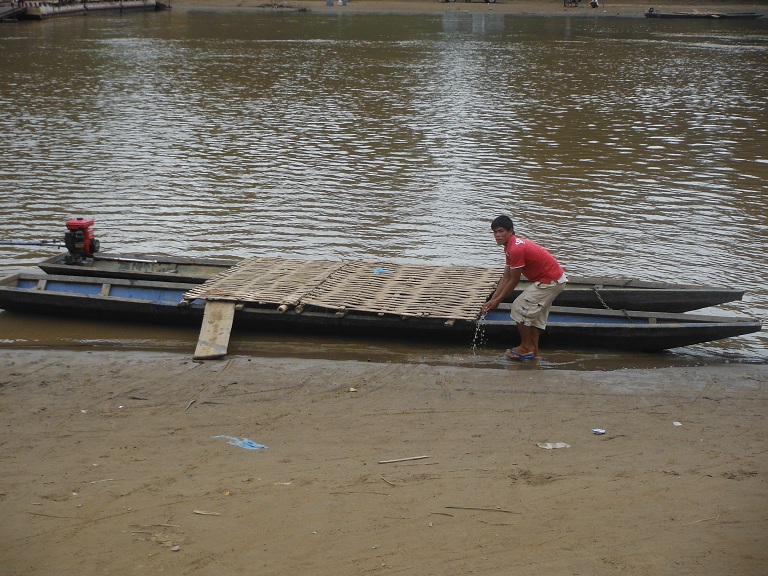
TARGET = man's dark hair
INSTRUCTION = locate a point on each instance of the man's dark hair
(503, 222)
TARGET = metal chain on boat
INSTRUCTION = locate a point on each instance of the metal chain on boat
(597, 293)
(599, 297)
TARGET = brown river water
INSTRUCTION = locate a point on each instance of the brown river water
(628, 147)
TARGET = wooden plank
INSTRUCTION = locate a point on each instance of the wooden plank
(214, 333)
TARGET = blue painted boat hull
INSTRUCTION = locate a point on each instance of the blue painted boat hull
(159, 302)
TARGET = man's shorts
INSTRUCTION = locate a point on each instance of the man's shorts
(534, 303)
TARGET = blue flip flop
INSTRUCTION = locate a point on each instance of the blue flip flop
(512, 355)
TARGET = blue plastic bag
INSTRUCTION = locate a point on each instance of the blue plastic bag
(242, 442)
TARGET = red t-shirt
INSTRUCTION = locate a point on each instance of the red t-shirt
(537, 264)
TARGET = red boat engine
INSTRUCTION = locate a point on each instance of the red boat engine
(79, 240)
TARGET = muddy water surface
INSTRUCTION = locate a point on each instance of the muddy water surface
(627, 147)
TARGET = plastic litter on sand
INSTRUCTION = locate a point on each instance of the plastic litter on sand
(552, 445)
(242, 442)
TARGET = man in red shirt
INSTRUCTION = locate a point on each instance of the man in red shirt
(547, 280)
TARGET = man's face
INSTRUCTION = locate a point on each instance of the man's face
(501, 235)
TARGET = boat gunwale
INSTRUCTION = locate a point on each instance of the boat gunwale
(667, 318)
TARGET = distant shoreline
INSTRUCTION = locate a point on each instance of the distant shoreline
(519, 7)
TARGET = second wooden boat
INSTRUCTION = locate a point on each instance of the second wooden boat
(581, 292)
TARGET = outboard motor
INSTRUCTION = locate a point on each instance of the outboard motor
(79, 240)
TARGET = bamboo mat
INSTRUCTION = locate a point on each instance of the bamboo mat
(441, 292)
(450, 292)
(265, 281)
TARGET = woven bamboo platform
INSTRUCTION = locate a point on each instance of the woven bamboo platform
(265, 281)
(443, 292)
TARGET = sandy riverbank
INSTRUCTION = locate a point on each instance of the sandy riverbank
(110, 466)
(521, 7)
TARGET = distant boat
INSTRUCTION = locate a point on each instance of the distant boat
(38, 10)
(651, 13)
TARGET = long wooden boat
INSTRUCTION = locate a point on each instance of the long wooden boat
(159, 302)
(652, 13)
(582, 292)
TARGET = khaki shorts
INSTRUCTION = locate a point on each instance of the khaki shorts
(533, 305)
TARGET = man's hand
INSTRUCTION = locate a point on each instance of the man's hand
(508, 281)
(492, 304)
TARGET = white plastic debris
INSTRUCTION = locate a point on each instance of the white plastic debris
(552, 445)
(598, 431)
(677, 423)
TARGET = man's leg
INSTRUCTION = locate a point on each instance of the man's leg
(536, 334)
(532, 307)
(529, 340)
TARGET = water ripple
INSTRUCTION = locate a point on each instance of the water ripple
(627, 150)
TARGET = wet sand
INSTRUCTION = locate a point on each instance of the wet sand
(111, 465)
